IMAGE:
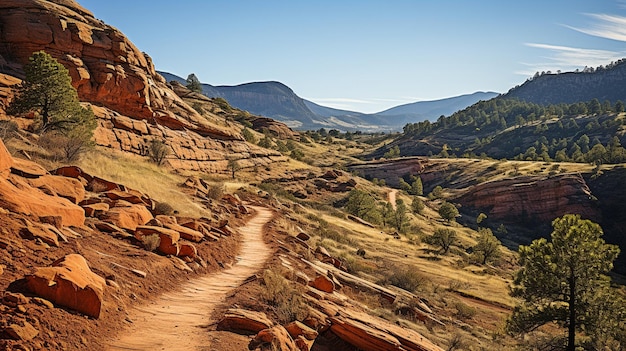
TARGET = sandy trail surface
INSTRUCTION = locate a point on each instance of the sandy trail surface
(177, 320)
(391, 197)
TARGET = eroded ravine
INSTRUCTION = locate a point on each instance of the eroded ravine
(176, 320)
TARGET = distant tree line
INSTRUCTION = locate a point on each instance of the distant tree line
(513, 129)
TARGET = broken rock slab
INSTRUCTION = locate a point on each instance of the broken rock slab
(70, 283)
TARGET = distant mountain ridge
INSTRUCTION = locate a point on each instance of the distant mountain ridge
(423, 110)
(602, 83)
(278, 101)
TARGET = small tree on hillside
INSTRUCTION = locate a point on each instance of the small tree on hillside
(448, 211)
(400, 216)
(234, 166)
(564, 281)
(488, 246)
(363, 205)
(158, 151)
(48, 92)
(387, 213)
(416, 187)
(417, 205)
(443, 238)
(193, 83)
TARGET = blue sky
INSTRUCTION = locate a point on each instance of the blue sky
(368, 56)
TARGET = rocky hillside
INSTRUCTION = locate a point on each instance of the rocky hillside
(522, 195)
(603, 83)
(134, 104)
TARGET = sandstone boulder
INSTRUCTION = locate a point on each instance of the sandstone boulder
(27, 169)
(296, 329)
(24, 332)
(323, 283)
(244, 321)
(95, 209)
(70, 283)
(16, 195)
(277, 336)
(168, 239)
(69, 188)
(187, 250)
(186, 233)
(41, 232)
(128, 217)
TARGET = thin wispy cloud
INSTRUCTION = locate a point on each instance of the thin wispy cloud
(342, 100)
(605, 26)
(566, 58)
(571, 56)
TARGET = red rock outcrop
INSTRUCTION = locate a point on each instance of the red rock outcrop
(70, 283)
(540, 198)
(16, 195)
(244, 321)
(133, 103)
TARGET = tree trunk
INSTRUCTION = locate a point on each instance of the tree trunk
(571, 328)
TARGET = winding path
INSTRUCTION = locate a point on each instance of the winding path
(391, 197)
(177, 320)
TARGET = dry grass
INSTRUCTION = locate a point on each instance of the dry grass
(137, 173)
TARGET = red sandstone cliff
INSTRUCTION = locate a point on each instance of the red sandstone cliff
(133, 103)
(532, 198)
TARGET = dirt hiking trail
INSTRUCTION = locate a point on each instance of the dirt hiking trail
(177, 320)
(391, 198)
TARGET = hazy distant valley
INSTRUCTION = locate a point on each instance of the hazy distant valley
(277, 101)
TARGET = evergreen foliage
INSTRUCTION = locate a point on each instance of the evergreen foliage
(564, 281)
(193, 83)
(48, 92)
(488, 246)
(448, 211)
(417, 205)
(363, 205)
(513, 129)
(442, 238)
(400, 216)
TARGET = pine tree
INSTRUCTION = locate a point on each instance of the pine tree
(564, 281)
(488, 246)
(48, 92)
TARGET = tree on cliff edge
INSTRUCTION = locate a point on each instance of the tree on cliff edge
(193, 83)
(48, 92)
(564, 282)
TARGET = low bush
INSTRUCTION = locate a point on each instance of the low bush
(284, 298)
